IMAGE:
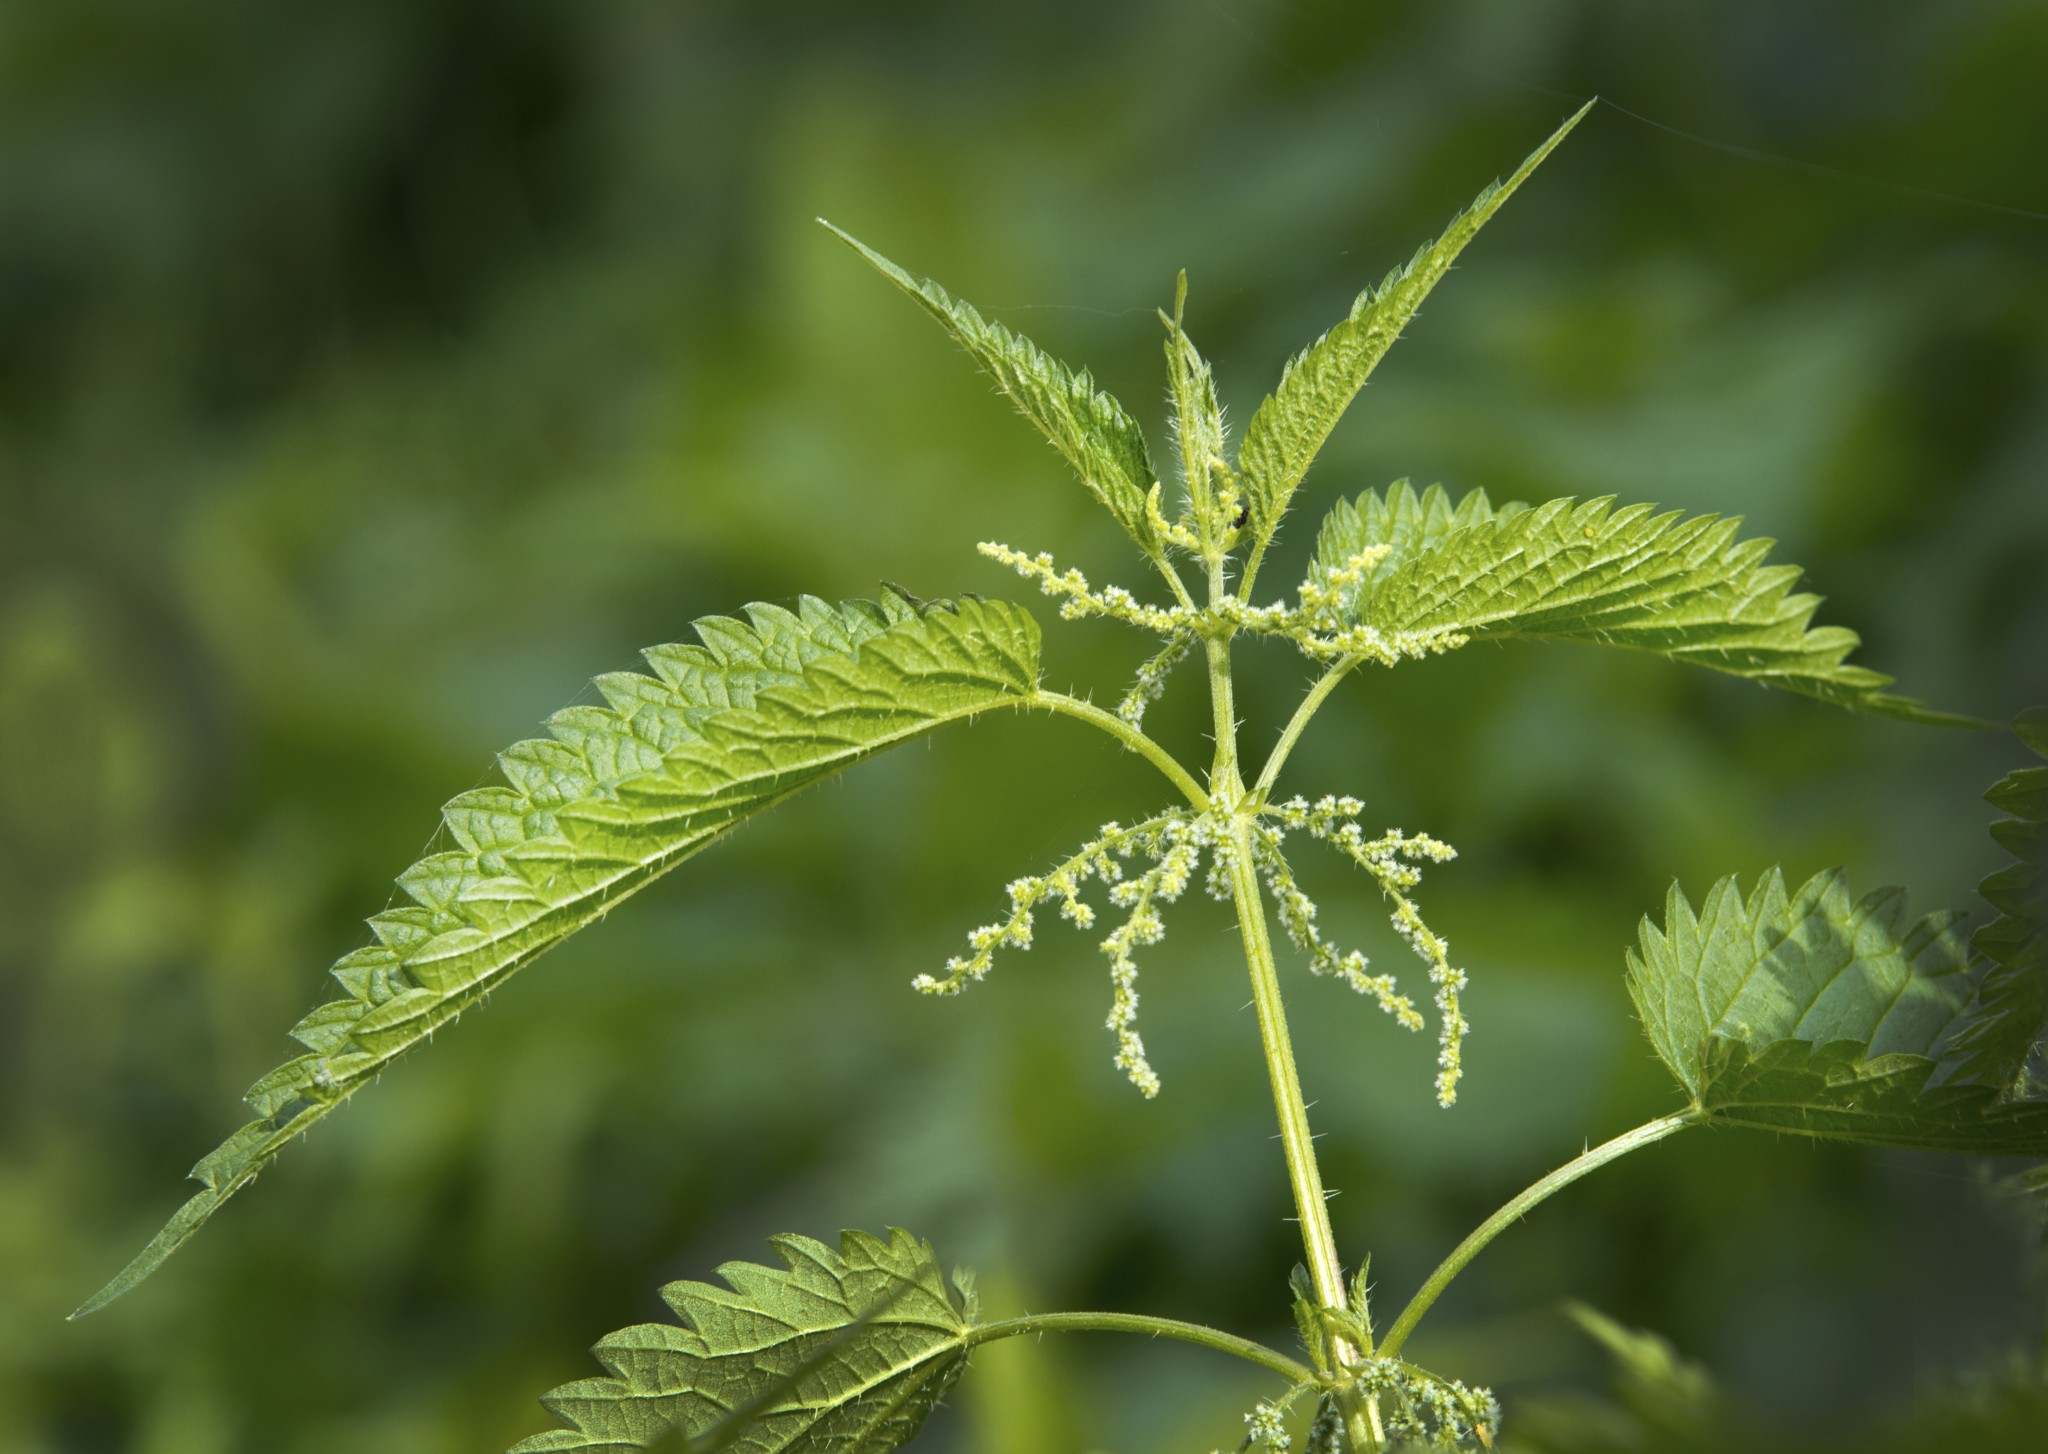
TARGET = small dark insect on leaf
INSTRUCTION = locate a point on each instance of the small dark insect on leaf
(1244, 513)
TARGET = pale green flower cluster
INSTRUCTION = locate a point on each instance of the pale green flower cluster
(1265, 1430)
(1079, 601)
(1393, 859)
(1298, 918)
(1316, 625)
(1322, 626)
(1329, 591)
(1326, 1434)
(1419, 1407)
(1174, 842)
(1150, 684)
(1179, 848)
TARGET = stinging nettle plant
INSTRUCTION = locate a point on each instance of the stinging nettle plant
(1807, 1011)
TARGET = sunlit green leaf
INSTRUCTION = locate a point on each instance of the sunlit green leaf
(1196, 418)
(1090, 428)
(611, 799)
(1822, 1015)
(1318, 384)
(1690, 588)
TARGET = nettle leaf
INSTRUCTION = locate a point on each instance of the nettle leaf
(1090, 428)
(846, 1350)
(2011, 1013)
(611, 799)
(1825, 1016)
(1685, 587)
(1319, 383)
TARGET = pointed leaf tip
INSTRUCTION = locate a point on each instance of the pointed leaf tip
(614, 797)
(1089, 428)
(1318, 384)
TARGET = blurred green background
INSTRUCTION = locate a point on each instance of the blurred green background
(372, 374)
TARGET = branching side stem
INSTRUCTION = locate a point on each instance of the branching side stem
(1298, 723)
(1493, 1226)
(1130, 737)
(1173, 580)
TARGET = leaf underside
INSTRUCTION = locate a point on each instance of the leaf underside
(1094, 433)
(844, 1350)
(611, 799)
(1318, 384)
(1684, 587)
(1826, 1016)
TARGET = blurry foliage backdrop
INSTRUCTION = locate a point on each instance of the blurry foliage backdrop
(373, 374)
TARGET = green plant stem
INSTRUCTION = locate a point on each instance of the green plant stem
(1174, 582)
(1224, 780)
(1252, 562)
(1531, 1196)
(1130, 737)
(1196, 1333)
(1298, 1146)
(1318, 1240)
(1298, 723)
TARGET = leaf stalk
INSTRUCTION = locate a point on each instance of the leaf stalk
(1196, 1333)
(1644, 1135)
(1130, 737)
(1298, 723)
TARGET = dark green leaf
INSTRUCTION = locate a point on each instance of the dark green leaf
(2011, 1014)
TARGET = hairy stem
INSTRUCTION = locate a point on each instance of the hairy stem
(1318, 1240)
(1223, 773)
(1130, 737)
(1251, 568)
(1531, 1196)
(1196, 1333)
(1298, 723)
(1173, 580)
